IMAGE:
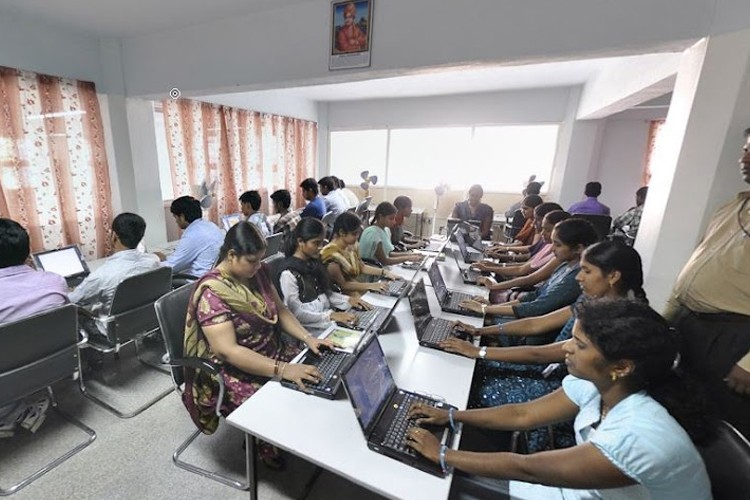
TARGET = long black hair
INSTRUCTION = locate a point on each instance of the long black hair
(307, 229)
(573, 232)
(384, 209)
(624, 329)
(244, 238)
(612, 256)
(346, 223)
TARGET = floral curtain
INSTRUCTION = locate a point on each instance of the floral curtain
(240, 150)
(654, 131)
(54, 177)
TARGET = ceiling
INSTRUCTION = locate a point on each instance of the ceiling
(127, 18)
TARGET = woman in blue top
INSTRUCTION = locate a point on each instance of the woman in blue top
(635, 417)
(375, 243)
(508, 375)
(569, 239)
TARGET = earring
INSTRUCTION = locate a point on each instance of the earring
(613, 375)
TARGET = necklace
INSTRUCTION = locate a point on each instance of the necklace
(739, 217)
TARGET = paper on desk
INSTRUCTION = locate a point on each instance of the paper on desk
(345, 339)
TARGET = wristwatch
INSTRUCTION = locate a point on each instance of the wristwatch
(483, 352)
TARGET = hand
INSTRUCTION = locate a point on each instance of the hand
(462, 347)
(486, 281)
(738, 380)
(426, 414)
(481, 266)
(379, 287)
(390, 276)
(315, 343)
(161, 256)
(463, 327)
(358, 303)
(480, 299)
(345, 318)
(301, 373)
(471, 305)
(424, 443)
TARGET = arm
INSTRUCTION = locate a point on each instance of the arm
(556, 296)
(393, 258)
(88, 291)
(290, 289)
(334, 271)
(534, 278)
(292, 326)
(525, 327)
(183, 255)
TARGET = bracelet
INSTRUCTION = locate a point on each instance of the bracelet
(445, 467)
(283, 367)
(276, 369)
(484, 309)
(382, 272)
(450, 419)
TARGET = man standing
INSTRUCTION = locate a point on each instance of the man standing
(316, 206)
(710, 305)
(591, 205)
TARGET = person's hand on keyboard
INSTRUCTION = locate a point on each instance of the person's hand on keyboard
(462, 347)
(358, 303)
(424, 442)
(480, 299)
(301, 373)
(471, 305)
(379, 287)
(391, 276)
(460, 326)
(315, 344)
(486, 281)
(423, 414)
(344, 318)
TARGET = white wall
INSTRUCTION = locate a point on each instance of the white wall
(268, 102)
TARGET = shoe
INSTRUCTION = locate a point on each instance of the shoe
(35, 415)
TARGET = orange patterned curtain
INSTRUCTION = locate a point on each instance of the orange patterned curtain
(54, 178)
(240, 149)
(653, 135)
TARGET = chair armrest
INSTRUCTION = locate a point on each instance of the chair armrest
(84, 338)
(206, 366)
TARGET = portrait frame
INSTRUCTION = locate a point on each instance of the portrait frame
(351, 34)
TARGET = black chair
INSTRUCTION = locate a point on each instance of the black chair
(601, 223)
(131, 317)
(727, 460)
(171, 311)
(275, 264)
(37, 352)
(515, 226)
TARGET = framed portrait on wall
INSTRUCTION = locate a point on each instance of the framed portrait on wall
(351, 34)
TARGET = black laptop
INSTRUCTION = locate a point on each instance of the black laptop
(438, 246)
(430, 330)
(472, 236)
(468, 275)
(382, 409)
(378, 317)
(448, 299)
(67, 261)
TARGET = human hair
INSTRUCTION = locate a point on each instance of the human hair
(573, 232)
(593, 189)
(336, 182)
(402, 202)
(640, 195)
(477, 188)
(129, 229)
(533, 188)
(384, 209)
(14, 243)
(309, 184)
(629, 330)
(251, 197)
(532, 201)
(541, 210)
(346, 223)
(282, 197)
(187, 206)
(610, 256)
(556, 216)
(342, 184)
(308, 228)
(327, 182)
(244, 238)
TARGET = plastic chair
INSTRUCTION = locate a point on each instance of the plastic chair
(37, 352)
(601, 223)
(131, 317)
(727, 460)
(171, 311)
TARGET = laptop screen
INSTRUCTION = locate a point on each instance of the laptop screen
(420, 307)
(461, 242)
(369, 383)
(66, 262)
(230, 220)
(437, 282)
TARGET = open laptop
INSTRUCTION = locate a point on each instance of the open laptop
(382, 409)
(448, 299)
(472, 236)
(378, 317)
(430, 330)
(468, 275)
(273, 244)
(437, 246)
(470, 256)
(230, 220)
(67, 261)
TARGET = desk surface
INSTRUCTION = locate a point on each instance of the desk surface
(283, 417)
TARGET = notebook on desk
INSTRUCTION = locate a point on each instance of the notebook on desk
(67, 261)
(449, 300)
(382, 409)
(430, 330)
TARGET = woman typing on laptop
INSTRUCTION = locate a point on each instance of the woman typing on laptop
(635, 418)
(375, 243)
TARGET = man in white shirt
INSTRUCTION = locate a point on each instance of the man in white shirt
(334, 201)
(347, 193)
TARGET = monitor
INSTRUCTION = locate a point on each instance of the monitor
(67, 261)
(438, 284)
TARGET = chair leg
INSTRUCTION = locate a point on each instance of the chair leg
(51, 465)
(156, 366)
(249, 482)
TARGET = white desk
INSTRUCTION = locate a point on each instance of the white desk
(336, 443)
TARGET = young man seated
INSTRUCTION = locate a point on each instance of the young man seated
(316, 206)
(201, 240)
(288, 219)
(250, 202)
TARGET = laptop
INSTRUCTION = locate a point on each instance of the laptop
(448, 299)
(430, 330)
(377, 318)
(382, 409)
(437, 246)
(67, 261)
(416, 265)
(273, 244)
(470, 256)
(469, 276)
(230, 220)
(472, 236)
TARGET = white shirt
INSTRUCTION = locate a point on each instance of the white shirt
(335, 202)
(315, 314)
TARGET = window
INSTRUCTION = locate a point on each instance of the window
(501, 158)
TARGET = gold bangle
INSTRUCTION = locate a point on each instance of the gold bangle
(276, 369)
(283, 368)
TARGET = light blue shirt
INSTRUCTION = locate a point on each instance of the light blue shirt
(335, 202)
(368, 242)
(198, 249)
(98, 289)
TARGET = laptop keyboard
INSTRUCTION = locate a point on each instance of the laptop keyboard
(366, 318)
(395, 287)
(455, 299)
(437, 330)
(471, 275)
(329, 365)
(395, 438)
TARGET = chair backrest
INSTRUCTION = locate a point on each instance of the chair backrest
(273, 244)
(274, 264)
(171, 312)
(132, 310)
(727, 460)
(37, 351)
(516, 224)
(362, 207)
(601, 223)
